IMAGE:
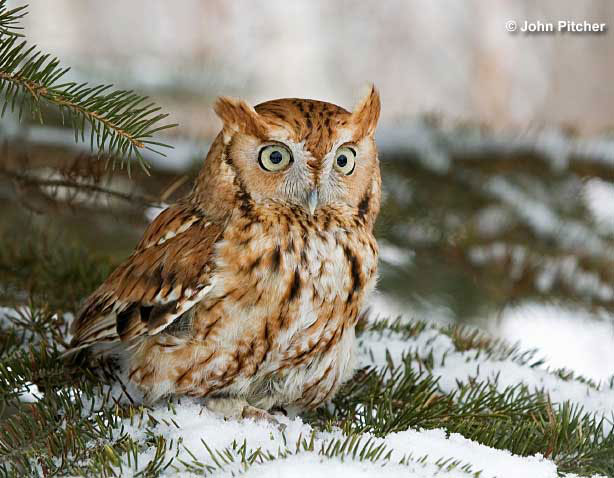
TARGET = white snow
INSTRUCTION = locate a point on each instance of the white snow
(599, 197)
(394, 255)
(309, 465)
(31, 395)
(200, 438)
(493, 462)
(452, 366)
(196, 437)
(153, 211)
(567, 338)
(422, 452)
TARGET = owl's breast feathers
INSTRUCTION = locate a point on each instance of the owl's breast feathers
(273, 295)
(166, 275)
(283, 257)
(289, 289)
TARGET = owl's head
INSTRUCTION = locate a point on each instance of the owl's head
(303, 153)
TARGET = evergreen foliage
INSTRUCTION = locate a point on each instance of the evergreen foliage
(494, 220)
(58, 419)
(75, 428)
(117, 123)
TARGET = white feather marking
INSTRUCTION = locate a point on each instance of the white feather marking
(166, 237)
(160, 299)
(173, 294)
(181, 229)
(184, 307)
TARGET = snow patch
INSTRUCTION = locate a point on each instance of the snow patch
(200, 434)
(571, 339)
(452, 366)
(599, 197)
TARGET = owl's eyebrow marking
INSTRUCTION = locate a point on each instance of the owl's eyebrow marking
(226, 154)
(273, 142)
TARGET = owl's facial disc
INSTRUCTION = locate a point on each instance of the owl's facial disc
(302, 153)
(275, 158)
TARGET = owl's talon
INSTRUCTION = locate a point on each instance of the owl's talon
(258, 414)
(237, 408)
(279, 411)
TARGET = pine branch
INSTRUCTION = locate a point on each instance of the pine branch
(29, 180)
(121, 123)
(9, 19)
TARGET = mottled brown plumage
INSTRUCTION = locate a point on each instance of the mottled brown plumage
(247, 291)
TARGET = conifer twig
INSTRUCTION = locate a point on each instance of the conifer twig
(30, 180)
(121, 123)
(9, 19)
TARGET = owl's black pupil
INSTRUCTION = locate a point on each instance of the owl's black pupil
(342, 160)
(275, 157)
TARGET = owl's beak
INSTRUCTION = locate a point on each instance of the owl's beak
(312, 201)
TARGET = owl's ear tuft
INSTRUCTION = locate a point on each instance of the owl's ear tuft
(238, 116)
(366, 113)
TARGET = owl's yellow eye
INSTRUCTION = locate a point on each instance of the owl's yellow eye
(274, 157)
(345, 160)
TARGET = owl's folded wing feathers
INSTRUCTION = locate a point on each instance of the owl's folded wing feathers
(168, 273)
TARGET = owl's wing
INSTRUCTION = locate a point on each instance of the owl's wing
(168, 273)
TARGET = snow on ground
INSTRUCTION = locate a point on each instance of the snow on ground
(199, 439)
(192, 426)
(384, 306)
(452, 366)
(206, 441)
(567, 338)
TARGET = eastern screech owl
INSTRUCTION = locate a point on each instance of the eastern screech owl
(247, 291)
